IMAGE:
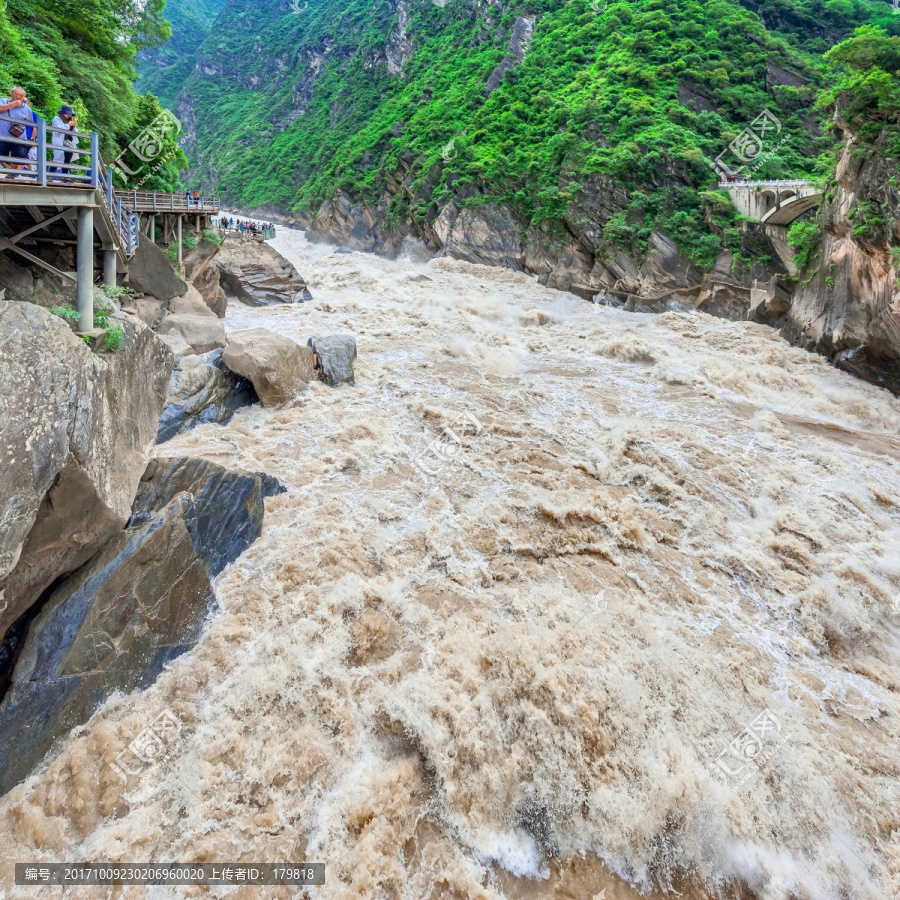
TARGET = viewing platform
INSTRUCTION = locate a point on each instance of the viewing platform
(50, 208)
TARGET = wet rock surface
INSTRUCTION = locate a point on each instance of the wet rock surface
(75, 428)
(334, 358)
(139, 603)
(202, 390)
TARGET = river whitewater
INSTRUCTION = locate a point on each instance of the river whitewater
(561, 602)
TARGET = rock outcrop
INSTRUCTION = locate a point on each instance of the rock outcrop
(334, 355)
(254, 273)
(149, 272)
(202, 391)
(139, 603)
(203, 332)
(848, 306)
(76, 430)
(279, 368)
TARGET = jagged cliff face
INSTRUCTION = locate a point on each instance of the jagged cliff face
(848, 307)
(571, 141)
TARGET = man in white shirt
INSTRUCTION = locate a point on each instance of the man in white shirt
(64, 121)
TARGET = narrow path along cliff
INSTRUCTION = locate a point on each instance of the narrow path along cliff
(559, 599)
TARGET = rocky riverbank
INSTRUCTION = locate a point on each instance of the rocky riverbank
(107, 556)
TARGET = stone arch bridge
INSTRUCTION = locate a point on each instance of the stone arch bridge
(772, 202)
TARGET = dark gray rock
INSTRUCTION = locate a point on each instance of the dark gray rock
(202, 391)
(111, 626)
(334, 358)
(149, 272)
(343, 249)
(139, 603)
(229, 505)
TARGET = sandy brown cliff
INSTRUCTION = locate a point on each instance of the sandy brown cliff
(847, 305)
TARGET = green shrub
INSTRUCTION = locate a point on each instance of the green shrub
(212, 237)
(804, 238)
(66, 312)
(114, 338)
(189, 241)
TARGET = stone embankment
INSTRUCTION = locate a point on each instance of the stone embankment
(107, 555)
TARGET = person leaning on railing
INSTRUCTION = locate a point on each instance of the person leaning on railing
(15, 107)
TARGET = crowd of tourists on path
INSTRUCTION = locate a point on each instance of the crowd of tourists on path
(19, 124)
(242, 226)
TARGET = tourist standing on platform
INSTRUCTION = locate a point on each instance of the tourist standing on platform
(14, 107)
(65, 120)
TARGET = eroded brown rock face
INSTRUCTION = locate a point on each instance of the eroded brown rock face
(849, 309)
(252, 272)
(570, 256)
(76, 427)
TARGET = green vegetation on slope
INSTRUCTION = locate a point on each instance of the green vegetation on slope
(163, 72)
(82, 52)
(597, 95)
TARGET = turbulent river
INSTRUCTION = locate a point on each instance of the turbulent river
(561, 602)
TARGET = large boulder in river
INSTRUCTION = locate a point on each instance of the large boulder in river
(202, 332)
(334, 358)
(75, 431)
(278, 367)
(258, 275)
(149, 272)
(140, 602)
(202, 391)
(191, 303)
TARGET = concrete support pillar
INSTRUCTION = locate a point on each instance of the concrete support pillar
(85, 263)
(152, 229)
(109, 267)
(198, 224)
(178, 238)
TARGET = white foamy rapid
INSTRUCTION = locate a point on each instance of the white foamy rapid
(502, 661)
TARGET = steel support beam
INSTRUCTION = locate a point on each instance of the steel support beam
(180, 260)
(109, 267)
(85, 257)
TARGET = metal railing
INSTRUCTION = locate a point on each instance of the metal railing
(34, 167)
(796, 182)
(159, 201)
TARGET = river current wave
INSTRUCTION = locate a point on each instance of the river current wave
(560, 600)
